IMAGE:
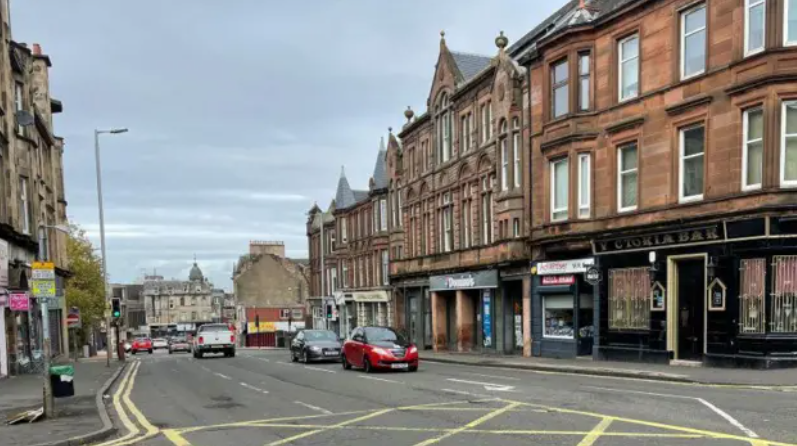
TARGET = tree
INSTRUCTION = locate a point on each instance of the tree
(86, 288)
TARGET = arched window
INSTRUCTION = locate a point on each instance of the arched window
(444, 129)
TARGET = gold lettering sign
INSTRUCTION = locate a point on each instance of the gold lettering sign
(677, 237)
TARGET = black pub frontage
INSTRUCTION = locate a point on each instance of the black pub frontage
(720, 292)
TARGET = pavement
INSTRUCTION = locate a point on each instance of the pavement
(659, 372)
(76, 416)
(261, 398)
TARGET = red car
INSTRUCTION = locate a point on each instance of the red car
(141, 345)
(379, 348)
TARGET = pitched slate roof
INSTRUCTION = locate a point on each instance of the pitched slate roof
(344, 197)
(360, 195)
(380, 169)
(469, 64)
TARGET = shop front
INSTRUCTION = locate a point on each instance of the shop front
(515, 292)
(417, 305)
(719, 293)
(463, 311)
(562, 309)
(363, 308)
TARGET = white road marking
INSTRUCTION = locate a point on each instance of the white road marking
(286, 363)
(319, 369)
(460, 392)
(486, 385)
(315, 408)
(714, 408)
(204, 368)
(493, 376)
(254, 388)
(374, 378)
(222, 376)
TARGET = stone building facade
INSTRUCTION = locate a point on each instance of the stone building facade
(177, 306)
(33, 199)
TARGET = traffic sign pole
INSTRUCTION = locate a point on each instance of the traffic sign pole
(43, 285)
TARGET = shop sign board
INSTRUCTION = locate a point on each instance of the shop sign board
(464, 281)
(487, 320)
(371, 296)
(593, 276)
(43, 280)
(668, 239)
(3, 263)
(558, 280)
(19, 302)
(578, 266)
(262, 327)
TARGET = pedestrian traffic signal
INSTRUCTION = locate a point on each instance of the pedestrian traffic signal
(329, 311)
(116, 308)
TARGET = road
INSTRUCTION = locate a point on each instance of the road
(260, 398)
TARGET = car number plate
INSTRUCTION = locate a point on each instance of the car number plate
(399, 366)
(331, 353)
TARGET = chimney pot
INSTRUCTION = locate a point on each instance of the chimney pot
(37, 49)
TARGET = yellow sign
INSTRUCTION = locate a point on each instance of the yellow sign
(265, 327)
(42, 282)
(44, 265)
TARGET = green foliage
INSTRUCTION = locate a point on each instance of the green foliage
(85, 289)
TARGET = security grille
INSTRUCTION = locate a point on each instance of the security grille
(751, 300)
(784, 295)
(629, 299)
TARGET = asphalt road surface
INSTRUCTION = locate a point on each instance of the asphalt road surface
(260, 398)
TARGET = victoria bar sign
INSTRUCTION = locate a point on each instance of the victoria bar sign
(680, 237)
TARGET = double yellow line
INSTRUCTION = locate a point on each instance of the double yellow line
(122, 404)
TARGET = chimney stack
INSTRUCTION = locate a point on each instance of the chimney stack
(37, 49)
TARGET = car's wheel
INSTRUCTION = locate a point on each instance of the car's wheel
(149, 351)
(171, 352)
(132, 352)
(232, 353)
(200, 355)
(303, 357)
(367, 365)
(414, 369)
(293, 356)
(346, 365)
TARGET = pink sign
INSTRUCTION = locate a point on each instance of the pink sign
(558, 280)
(19, 302)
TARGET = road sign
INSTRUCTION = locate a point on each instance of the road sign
(73, 318)
(43, 279)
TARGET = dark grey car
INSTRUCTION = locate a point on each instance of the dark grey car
(315, 345)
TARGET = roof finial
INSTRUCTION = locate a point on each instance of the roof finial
(390, 130)
(342, 171)
(408, 113)
(442, 37)
(501, 41)
(194, 258)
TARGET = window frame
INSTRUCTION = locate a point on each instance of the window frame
(516, 151)
(746, 142)
(783, 139)
(557, 85)
(588, 193)
(504, 164)
(516, 228)
(621, 61)
(382, 215)
(621, 173)
(786, 41)
(681, 146)
(582, 94)
(566, 209)
(24, 198)
(746, 38)
(683, 36)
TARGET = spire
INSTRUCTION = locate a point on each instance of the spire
(344, 197)
(442, 38)
(382, 144)
(380, 169)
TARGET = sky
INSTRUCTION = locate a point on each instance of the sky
(241, 112)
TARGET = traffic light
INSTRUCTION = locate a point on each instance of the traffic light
(329, 311)
(116, 308)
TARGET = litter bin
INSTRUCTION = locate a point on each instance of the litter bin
(62, 380)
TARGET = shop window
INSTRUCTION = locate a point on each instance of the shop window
(784, 296)
(629, 294)
(753, 157)
(751, 299)
(559, 320)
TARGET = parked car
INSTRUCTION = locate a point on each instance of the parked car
(315, 345)
(214, 338)
(379, 348)
(179, 344)
(159, 344)
(141, 345)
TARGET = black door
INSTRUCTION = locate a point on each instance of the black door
(451, 322)
(691, 308)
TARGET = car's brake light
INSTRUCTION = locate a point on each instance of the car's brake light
(232, 339)
(201, 340)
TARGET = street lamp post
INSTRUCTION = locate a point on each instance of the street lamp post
(49, 406)
(102, 234)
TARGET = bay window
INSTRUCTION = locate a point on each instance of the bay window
(753, 149)
(559, 189)
(790, 22)
(583, 81)
(629, 67)
(690, 166)
(584, 192)
(559, 82)
(788, 145)
(754, 26)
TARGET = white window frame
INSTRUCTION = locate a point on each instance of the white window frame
(584, 93)
(584, 190)
(681, 159)
(786, 41)
(504, 164)
(704, 30)
(516, 228)
(518, 172)
(19, 103)
(783, 137)
(385, 267)
(464, 134)
(25, 203)
(621, 61)
(565, 209)
(383, 214)
(345, 236)
(749, 4)
(345, 274)
(621, 173)
(555, 86)
(746, 142)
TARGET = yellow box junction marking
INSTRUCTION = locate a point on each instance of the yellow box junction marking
(596, 432)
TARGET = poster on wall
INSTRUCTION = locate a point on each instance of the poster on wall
(519, 331)
(487, 320)
(657, 293)
(716, 295)
(18, 302)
